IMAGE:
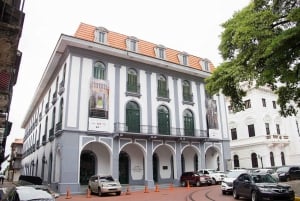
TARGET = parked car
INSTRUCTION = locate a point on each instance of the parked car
(35, 182)
(230, 176)
(216, 176)
(287, 173)
(104, 184)
(261, 186)
(22, 193)
(194, 179)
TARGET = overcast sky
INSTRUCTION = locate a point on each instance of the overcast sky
(192, 26)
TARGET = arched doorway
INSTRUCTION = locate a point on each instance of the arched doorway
(123, 168)
(155, 167)
(50, 169)
(87, 166)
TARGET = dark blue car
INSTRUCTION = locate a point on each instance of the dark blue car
(261, 186)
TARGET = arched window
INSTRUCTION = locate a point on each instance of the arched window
(188, 120)
(61, 110)
(163, 118)
(133, 117)
(132, 81)
(186, 91)
(162, 88)
(236, 161)
(254, 160)
(272, 159)
(99, 70)
(282, 158)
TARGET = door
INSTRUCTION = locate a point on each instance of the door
(87, 166)
(133, 117)
(163, 120)
(124, 168)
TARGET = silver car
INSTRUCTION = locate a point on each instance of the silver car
(104, 185)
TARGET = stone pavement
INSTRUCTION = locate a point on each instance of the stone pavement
(295, 184)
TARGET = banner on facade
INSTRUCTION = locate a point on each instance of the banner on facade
(98, 104)
(212, 113)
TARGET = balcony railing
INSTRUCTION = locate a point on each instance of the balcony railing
(11, 14)
(270, 140)
(163, 93)
(187, 97)
(152, 130)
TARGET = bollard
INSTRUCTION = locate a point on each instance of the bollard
(146, 189)
(68, 195)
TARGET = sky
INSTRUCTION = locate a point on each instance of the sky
(193, 26)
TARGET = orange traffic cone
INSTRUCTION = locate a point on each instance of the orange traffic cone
(188, 185)
(146, 189)
(128, 190)
(88, 194)
(68, 195)
(171, 187)
(156, 188)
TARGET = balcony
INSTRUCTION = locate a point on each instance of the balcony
(270, 140)
(153, 132)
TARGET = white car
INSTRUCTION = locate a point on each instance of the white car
(216, 176)
(24, 193)
(104, 185)
(226, 184)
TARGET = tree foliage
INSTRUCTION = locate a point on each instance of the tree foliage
(260, 46)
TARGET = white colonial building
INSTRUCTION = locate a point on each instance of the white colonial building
(260, 137)
(114, 104)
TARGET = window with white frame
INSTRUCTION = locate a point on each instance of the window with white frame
(101, 35)
(160, 52)
(183, 58)
(132, 44)
(205, 65)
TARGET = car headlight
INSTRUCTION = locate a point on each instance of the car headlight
(263, 189)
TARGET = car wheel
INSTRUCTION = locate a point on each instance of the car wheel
(198, 183)
(223, 192)
(118, 193)
(235, 195)
(213, 182)
(183, 183)
(99, 191)
(253, 196)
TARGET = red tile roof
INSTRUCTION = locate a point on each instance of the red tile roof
(117, 40)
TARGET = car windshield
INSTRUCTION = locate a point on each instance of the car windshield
(106, 179)
(283, 169)
(234, 174)
(263, 179)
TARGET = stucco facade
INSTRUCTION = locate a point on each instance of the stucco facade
(104, 108)
(260, 137)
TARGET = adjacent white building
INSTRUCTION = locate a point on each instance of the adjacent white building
(260, 137)
(114, 104)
